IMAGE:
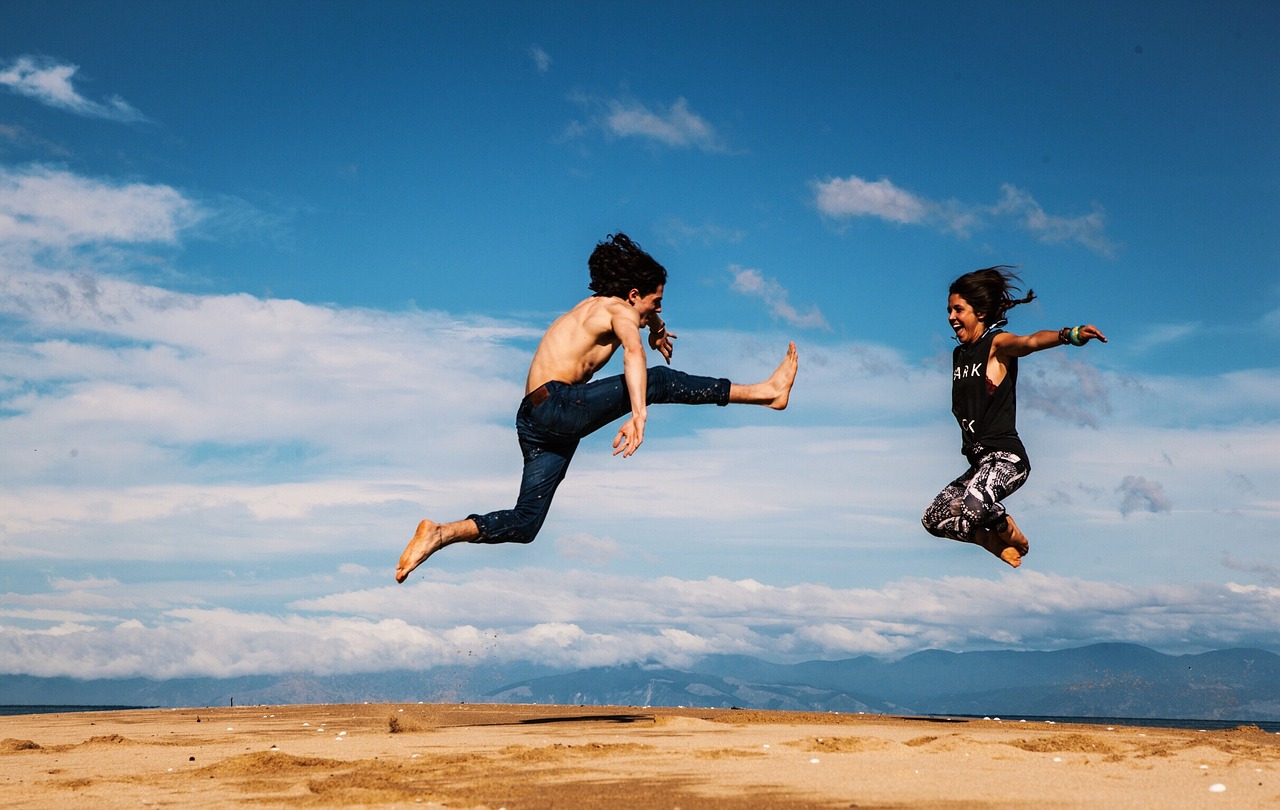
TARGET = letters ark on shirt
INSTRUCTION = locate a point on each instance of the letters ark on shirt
(965, 371)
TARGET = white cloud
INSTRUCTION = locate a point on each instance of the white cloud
(602, 620)
(846, 197)
(676, 126)
(751, 282)
(50, 82)
(854, 197)
(55, 208)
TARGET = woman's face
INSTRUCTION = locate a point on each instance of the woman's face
(967, 324)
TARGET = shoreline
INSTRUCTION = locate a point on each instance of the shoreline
(536, 756)
(1188, 723)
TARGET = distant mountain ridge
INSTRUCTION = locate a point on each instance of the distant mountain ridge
(1100, 680)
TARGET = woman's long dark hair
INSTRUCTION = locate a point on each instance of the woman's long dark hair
(990, 291)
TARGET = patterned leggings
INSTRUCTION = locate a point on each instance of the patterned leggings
(972, 501)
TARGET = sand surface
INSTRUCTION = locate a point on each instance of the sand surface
(518, 756)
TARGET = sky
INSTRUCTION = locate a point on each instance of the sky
(271, 274)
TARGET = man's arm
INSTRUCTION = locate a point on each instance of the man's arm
(636, 373)
(1007, 345)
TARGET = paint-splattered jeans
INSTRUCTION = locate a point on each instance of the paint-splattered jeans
(549, 433)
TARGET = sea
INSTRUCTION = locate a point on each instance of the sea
(7, 710)
(1269, 726)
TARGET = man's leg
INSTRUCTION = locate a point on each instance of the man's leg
(600, 402)
(546, 459)
(774, 392)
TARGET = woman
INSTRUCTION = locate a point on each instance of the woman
(984, 383)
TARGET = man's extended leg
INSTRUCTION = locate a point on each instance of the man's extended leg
(600, 402)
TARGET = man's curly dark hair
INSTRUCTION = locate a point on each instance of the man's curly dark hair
(619, 266)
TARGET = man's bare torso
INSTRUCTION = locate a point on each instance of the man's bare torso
(578, 343)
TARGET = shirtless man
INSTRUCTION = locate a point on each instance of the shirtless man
(562, 405)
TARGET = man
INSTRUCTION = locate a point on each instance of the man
(562, 405)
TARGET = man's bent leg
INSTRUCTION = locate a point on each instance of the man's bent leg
(544, 469)
(545, 463)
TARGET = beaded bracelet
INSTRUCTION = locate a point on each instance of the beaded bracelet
(1071, 334)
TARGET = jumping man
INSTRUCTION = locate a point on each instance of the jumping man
(562, 405)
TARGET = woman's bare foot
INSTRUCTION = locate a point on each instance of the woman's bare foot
(992, 542)
(430, 538)
(1011, 535)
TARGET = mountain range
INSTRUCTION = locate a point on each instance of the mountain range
(1100, 680)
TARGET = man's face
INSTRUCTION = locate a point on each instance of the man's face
(646, 305)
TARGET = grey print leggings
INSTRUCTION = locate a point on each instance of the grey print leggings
(972, 501)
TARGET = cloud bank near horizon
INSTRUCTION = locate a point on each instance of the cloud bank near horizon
(588, 620)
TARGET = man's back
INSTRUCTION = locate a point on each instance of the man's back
(578, 343)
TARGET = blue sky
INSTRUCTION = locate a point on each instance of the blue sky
(271, 273)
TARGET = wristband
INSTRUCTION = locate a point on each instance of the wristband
(1064, 335)
(1074, 337)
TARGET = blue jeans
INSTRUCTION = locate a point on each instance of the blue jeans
(549, 434)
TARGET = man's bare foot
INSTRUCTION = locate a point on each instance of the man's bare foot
(773, 392)
(783, 377)
(427, 540)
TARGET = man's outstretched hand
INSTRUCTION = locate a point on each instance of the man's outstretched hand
(629, 437)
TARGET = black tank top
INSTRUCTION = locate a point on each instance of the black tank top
(988, 420)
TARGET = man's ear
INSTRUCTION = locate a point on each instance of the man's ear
(634, 296)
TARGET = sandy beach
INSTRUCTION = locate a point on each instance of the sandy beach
(523, 756)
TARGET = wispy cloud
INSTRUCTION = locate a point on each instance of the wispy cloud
(51, 82)
(1067, 389)
(847, 197)
(588, 548)
(1269, 573)
(677, 232)
(753, 283)
(676, 126)
(541, 59)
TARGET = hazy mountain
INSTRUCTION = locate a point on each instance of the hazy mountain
(1102, 680)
